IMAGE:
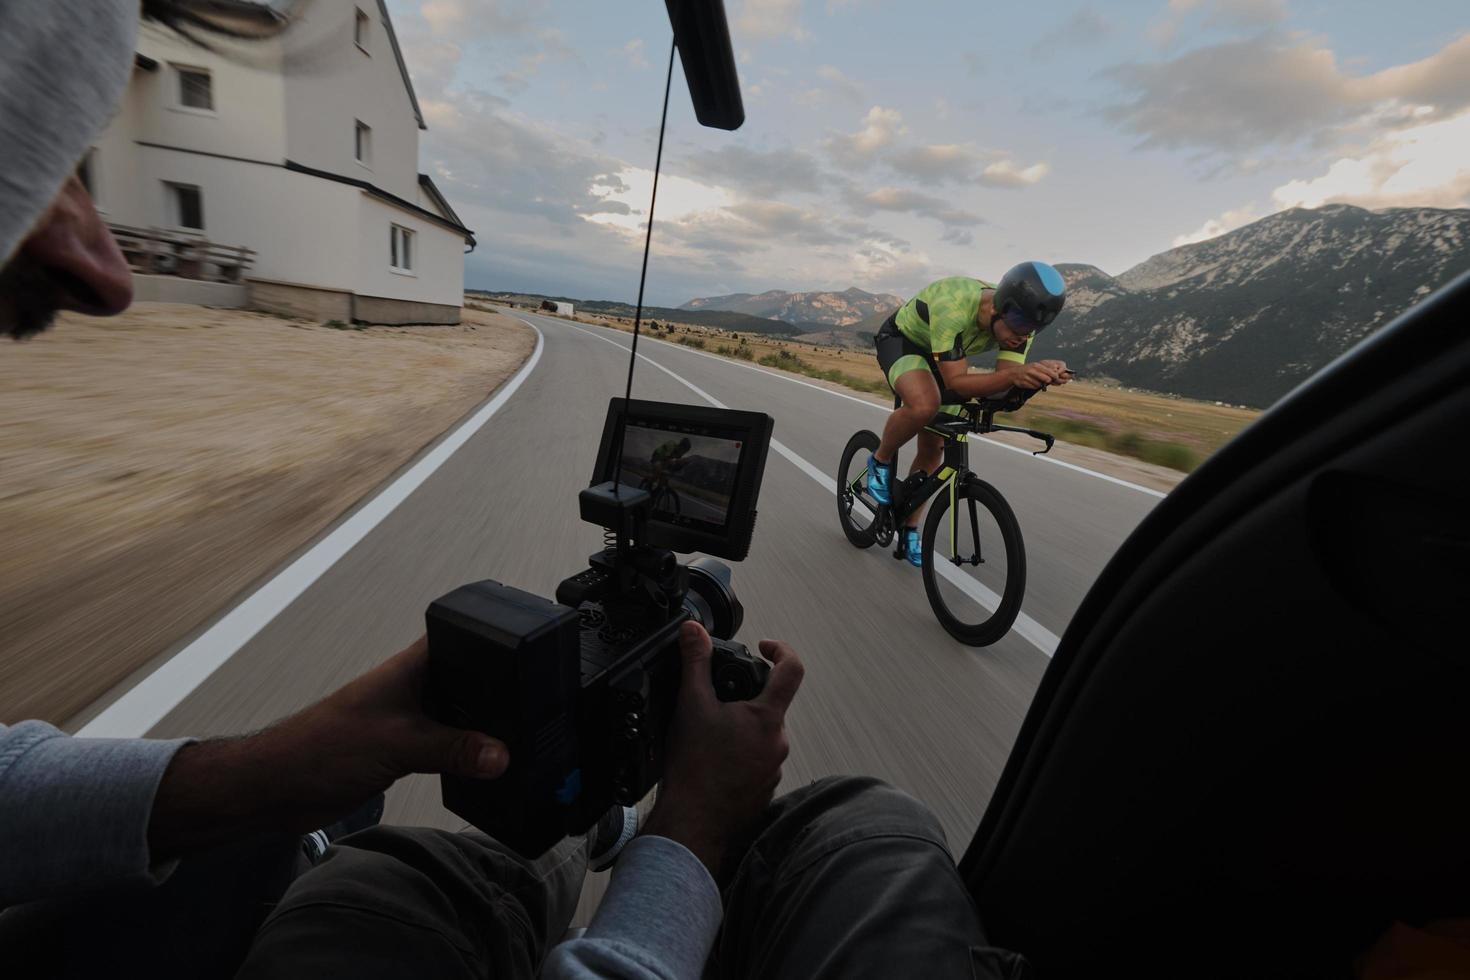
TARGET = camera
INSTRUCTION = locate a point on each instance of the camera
(582, 689)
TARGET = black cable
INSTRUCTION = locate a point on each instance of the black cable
(643, 277)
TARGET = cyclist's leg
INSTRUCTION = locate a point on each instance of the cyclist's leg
(909, 371)
(928, 457)
(918, 403)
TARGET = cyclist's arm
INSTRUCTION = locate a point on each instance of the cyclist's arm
(957, 377)
(1006, 374)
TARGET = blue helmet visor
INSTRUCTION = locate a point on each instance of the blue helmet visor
(1019, 322)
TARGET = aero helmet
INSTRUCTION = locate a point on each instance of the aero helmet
(1030, 296)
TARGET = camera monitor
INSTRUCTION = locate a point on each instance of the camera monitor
(702, 468)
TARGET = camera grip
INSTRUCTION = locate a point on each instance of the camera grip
(737, 676)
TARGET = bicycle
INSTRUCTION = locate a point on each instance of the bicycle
(954, 594)
(665, 498)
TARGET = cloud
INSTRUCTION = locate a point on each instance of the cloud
(483, 18)
(759, 173)
(678, 198)
(1241, 95)
(840, 86)
(1164, 31)
(1214, 227)
(766, 20)
(880, 128)
(553, 49)
(1085, 26)
(949, 162)
(936, 162)
(633, 51)
(906, 199)
(1006, 173)
(499, 160)
(1422, 166)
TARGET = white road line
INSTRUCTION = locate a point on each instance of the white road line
(873, 405)
(1027, 628)
(133, 714)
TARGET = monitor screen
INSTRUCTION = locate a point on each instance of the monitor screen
(690, 472)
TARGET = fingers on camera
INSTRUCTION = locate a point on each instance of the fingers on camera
(786, 674)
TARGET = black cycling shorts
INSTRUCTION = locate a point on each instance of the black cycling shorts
(898, 355)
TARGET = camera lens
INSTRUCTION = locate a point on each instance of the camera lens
(711, 598)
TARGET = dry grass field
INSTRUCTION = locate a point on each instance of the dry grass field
(155, 464)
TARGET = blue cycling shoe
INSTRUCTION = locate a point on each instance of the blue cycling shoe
(913, 549)
(880, 480)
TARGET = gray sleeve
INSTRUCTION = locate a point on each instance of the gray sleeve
(657, 921)
(74, 811)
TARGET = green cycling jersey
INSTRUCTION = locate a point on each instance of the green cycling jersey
(942, 319)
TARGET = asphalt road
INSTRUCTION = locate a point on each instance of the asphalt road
(887, 692)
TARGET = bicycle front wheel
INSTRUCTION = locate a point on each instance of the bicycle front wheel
(857, 511)
(974, 562)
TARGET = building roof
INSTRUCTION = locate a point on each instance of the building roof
(441, 202)
(402, 65)
(448, 220)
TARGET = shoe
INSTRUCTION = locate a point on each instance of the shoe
(314, 845)
(880, 480)
(913, 548)
(609, 836)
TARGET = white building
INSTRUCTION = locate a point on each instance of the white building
(302, 146)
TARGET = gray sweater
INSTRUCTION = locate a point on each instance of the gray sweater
(74, 815)
(74, 811)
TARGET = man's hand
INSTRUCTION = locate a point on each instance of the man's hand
(1038, 374)
(317, 765)
(724, 759)
(1064, 374)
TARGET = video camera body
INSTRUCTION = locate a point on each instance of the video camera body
(582, 689)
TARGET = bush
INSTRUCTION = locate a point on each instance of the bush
(1170, 454)
(695, 342)
(744, 353)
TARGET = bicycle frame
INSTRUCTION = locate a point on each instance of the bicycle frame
(954, 468)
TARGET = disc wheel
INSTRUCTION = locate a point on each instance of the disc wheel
(857, 511)
(974, 562)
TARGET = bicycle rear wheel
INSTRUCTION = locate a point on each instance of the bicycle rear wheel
(857, 511)
(974, 562)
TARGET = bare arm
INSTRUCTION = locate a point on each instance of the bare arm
(311, 768)
(1006, 374)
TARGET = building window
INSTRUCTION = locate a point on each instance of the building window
(186, 205)
(362, 146)
(400, 248)
(196, 89)
(360, 27)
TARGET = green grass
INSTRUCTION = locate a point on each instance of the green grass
(1126, 442)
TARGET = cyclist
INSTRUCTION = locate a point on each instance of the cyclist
(923, 349)
(666, 459)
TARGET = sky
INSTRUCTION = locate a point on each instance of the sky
(888, 143)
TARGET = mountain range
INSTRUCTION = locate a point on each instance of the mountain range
(815, 310)
(1245, 317)
(1241, 318)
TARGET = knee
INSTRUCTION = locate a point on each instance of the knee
(923, 407)
(864, 806)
